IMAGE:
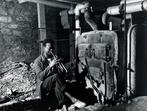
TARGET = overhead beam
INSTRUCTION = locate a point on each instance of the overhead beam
(48, 3)
(66, 1)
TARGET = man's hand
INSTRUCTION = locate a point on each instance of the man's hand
(53, 62)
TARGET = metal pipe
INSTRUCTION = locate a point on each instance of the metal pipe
(77, 11)
(80, 7)
(110, 26)
(130, 8)
(131, 55)
(130, 1)
(106, 18)
(48, 3)
(90, 21)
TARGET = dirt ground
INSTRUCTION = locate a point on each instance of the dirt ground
(137, 104)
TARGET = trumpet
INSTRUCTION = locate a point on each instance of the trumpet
(60, 64)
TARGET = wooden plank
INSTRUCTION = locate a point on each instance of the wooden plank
(48, 3)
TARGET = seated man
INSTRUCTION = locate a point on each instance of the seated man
(48, 79)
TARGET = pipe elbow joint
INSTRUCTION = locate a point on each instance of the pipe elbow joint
(80, 7)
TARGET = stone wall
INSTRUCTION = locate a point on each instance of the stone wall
(18, 31)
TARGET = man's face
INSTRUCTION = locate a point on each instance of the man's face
(47, 49)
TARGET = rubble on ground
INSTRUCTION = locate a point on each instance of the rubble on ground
(136, 104)
(17, 79)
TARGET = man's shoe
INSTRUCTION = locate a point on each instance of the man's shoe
(64, 108)
(71, 81)
(79, 104)
(71, 108)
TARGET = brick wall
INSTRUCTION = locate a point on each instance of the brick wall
(18, 31)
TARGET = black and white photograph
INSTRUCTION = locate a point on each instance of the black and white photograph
(73, 55)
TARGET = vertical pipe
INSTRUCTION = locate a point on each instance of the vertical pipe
(131, 55)
(125, 49)
(133, 63)
(110, 26)
(41, 22)
(77, 32)
(77, 11)
(128, 63)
